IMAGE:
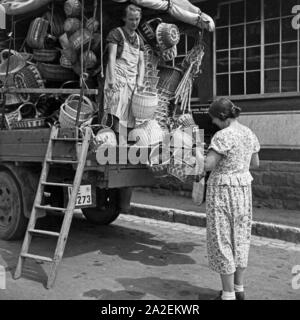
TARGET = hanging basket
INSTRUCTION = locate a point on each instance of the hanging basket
(71, 25)
(167, 35)
(72, 8)
(28, 77)
(170, 78)
(37, 33)
(56, 22)
(67, 121)
(80, 38)
(144, 104)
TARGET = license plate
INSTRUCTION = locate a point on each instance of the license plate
(84, 196)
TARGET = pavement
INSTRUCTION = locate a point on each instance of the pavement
(163, 205)
(140, 259)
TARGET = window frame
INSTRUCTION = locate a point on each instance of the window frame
(262, 45)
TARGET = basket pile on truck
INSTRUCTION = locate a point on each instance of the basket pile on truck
(51, 134)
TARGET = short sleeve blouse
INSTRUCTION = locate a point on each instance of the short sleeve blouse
(236, 144)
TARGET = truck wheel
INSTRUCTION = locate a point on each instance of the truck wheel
(107, 209)
(12, 220)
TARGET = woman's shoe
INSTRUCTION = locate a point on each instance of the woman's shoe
(240, 296)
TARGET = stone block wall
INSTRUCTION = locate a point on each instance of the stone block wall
(276, 185)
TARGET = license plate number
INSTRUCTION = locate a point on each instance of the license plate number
(84, 196)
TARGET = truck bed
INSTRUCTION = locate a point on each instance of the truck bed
(29, 146)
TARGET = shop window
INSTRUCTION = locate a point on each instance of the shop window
(257, 49)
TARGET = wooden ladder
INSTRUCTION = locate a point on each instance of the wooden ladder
(68, 212)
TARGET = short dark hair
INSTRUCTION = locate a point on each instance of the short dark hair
(223, 109)
(131, 7)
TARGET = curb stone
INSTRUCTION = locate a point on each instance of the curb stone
(261, 229)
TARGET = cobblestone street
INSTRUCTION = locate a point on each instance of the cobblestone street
(137, 258)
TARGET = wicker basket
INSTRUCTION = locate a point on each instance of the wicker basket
(67, 121)
(144, 105)
(16, 63)
(167, 35)
(28, 77)
(72, 8)
(169, 54)
(80, 38)
(71, 25)
(148, 29)
(29, 124)
(45, 55)
(37, 33)
(56, 22)
(71, 105)
(54, 72)
(151, 81)
(170, 78)
(92, 25)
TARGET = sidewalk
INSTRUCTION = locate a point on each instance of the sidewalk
(271, 223)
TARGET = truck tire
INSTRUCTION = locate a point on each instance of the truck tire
(12, 220)
(107, 209)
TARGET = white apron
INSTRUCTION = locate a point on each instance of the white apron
(117, 102)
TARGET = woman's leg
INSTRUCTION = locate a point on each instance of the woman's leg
(227, 282)
(239, 276)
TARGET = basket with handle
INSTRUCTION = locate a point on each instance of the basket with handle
(15, 116)
(72, 103)
(144, 104)
(16, 63)
(66, 120)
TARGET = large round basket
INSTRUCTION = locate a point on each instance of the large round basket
(167, 35)
(144, 104)
(169, 79)
(71, 25)
(72, 8)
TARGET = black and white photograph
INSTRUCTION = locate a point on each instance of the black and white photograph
(149, 154)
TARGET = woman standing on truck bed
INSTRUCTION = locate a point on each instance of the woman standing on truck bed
(125, 70)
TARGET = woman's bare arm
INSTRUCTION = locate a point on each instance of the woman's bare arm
(141, 70)
(212, 160)
(112, 55)
(254, 164)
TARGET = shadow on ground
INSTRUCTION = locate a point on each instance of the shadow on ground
(114, 240)
(162, 289)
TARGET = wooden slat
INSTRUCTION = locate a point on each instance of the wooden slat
(50, 91)
(44, 232)
(50, 208)
(36, 257)
(56, 184)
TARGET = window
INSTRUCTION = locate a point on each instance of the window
(256, 48)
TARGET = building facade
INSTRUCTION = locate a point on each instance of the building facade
(254, 59)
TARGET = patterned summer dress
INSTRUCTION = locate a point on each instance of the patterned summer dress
(229, 199)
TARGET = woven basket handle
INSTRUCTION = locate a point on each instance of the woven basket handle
(73, 97)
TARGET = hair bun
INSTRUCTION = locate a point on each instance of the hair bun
(235, 110)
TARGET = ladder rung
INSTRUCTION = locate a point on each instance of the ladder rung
(50, 208)
(62, 161)
(36, 257)
(44, 232)
(56, 184)
(68, 139)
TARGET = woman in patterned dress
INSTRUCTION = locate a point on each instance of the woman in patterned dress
(233, 150)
